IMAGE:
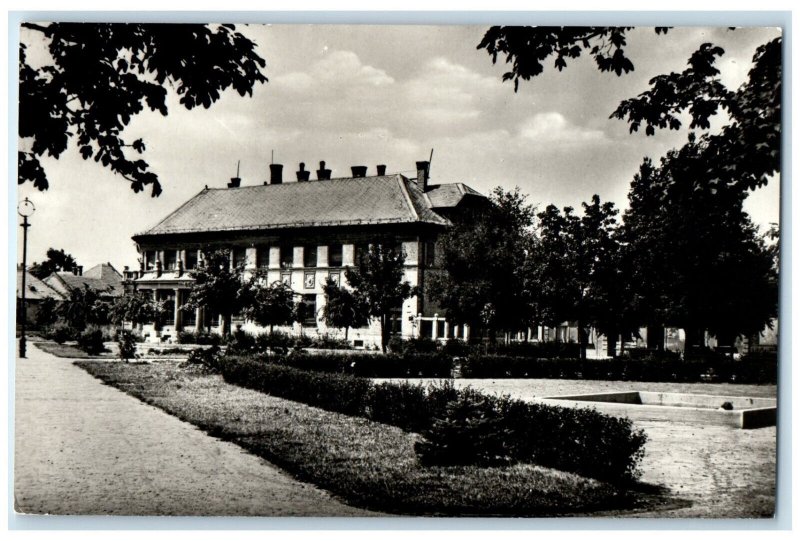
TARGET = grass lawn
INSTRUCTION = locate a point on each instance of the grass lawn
(64, 350)
(367, 464)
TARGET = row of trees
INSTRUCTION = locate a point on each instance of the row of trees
(376, 288)
(682, 256)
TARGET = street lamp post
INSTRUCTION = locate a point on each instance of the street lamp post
(25, 209)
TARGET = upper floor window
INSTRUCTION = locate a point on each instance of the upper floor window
(309, 256)
(262, 257)
(287, 257)
(170, 259)
(239, 257)
(191, 259)
(335, 255)
(150, 257)
(360, 250)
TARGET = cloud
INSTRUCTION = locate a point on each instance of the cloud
(553, 127)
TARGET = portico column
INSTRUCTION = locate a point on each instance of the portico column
(198, 320)
(466, 333)
(435, 330)
(177, 310)
(446, 329)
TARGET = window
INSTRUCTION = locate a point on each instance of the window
(239, 257)
(262, 257)
(170, 260)
(191, 259)
(335, 255)
(430, 253)
(287, 257)
(309, 310)
(189, 318)
(150, 260)
(359, 251)
(309, 256)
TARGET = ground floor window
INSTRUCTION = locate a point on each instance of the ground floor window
(310, 310)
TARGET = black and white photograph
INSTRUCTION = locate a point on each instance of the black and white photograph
(387, 270)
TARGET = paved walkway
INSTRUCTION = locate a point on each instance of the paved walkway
(84, 448)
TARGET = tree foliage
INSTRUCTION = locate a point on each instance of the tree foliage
(572, 267)
(343, 309)
(746, 151)
(526, 48)
(697, 261)
(136, 307)
(483, 282)
(99, 76)
(83, 307)
(57, 261)
(377, 282)
(268, 304)
(217, 286)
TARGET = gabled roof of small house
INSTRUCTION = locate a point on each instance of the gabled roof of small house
(449, 195)
(103, 278)
(35, 289)
(346, 201)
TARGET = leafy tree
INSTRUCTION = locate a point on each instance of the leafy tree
(342, 308)
(137, 307)
(483, 282)
(697, 260)
(217, 286)
(745, 153)
(57, 260)
(97, 77)
(47, 314)
(378, 284)
(268, 305)
(570, 267)
(83, 307)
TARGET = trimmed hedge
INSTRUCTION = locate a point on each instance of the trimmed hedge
(753, 371)
(668, 368)
(419, 365)
(454, 422)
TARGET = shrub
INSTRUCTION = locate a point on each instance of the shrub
(60, 333)
(472, 431)
(335, 392)
(201, 338)
(328, 342)
(209, 359)
(241, 342)
(127, 345)
(461, 426)
(91, 341)
(273, 340)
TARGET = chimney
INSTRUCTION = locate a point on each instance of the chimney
(235, 182)
(381, 170)
(275, 173)
(80, 270)
(302, 174)
(322, 173)
(359, 171)
(422, 175)
(75, 270)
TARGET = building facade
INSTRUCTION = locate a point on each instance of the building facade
(303, 233)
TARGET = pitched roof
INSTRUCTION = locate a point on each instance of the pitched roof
(449, 195)
(104, 281)
(35, 289)
(346, 201)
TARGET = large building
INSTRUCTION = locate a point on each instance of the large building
(302, 233)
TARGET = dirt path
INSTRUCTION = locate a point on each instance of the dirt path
(85, 448)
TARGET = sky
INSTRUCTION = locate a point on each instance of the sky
(368, 95)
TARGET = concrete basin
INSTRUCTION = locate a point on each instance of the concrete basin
(735, 411)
